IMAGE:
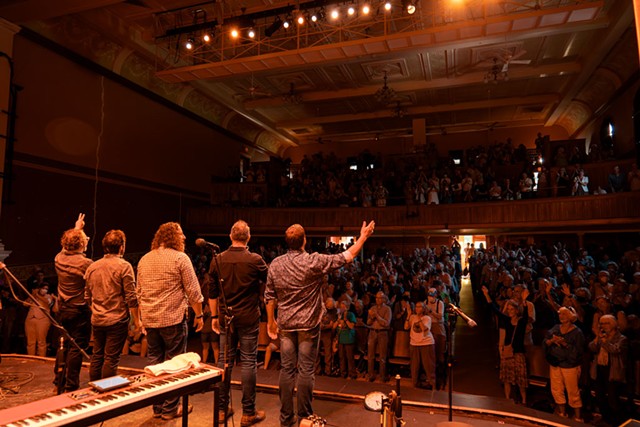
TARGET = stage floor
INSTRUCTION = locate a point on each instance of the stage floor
(25, 379)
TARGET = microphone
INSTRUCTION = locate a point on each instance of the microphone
(201, 243)
(472, 323)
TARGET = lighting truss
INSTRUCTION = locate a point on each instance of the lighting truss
(173, 29)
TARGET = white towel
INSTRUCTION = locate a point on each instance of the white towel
(179, 363)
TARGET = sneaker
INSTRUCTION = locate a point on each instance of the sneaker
(249, 420)
(177, 413)
(221, 418)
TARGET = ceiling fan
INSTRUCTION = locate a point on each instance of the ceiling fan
(252, 91)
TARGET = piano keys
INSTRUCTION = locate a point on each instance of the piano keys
(87, 406)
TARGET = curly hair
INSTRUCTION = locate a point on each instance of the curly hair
(74, 240)
(113, 241)
(294, 236)
(169, 235)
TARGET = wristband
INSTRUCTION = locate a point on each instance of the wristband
(199, 317)
(214, 317)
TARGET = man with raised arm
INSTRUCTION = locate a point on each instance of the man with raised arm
(294, 283)
(73, 312)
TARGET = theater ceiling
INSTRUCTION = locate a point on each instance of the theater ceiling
(460, 66)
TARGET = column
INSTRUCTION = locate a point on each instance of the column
(7, 32)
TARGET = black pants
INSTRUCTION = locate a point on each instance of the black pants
(76, 320)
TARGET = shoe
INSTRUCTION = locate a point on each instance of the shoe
(177, 413)
(372, 379)
(157, 415)
(578, 420)
(221, 418)
(249, 420)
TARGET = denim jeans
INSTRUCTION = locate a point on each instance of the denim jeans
(77, 321)
(247, 336)
(298, 353)
(108, 342)
(164, 344)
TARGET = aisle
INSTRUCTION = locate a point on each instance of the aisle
(475, 369)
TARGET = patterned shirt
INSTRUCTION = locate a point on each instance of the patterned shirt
(295, 280)
(110, 290)
(167, 283)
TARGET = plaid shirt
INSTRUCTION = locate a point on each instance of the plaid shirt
(166, 281)
(295, 280)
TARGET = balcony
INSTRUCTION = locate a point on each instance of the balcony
(593, 214)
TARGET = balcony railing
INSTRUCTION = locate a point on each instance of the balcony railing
(614, 212)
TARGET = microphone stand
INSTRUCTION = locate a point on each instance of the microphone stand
(228, 327)
(453, 315)
(61, 366)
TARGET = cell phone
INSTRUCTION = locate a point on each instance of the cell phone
(111, 383)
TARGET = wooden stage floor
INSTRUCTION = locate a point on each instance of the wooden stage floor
(25, 379)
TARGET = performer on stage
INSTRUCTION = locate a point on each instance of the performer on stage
(294, 282)
(166, 281)
(74, 314)
(234, 294)
(111, 295)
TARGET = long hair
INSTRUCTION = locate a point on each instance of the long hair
(169, 235)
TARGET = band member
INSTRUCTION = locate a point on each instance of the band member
(295, 282)
(111, 295)
(166, 281)
(234, 296)
(74, 314)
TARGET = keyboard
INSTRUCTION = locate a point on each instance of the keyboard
(87, 406)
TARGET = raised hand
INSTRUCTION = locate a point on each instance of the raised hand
(80, 222)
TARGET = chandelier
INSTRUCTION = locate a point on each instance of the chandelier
(385, 94)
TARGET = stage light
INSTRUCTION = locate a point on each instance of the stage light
(314, 18)
(286, 24)
(387, 6)
(275, 26)
(300, 20)
(410, 6)
(251, 33)
(351, 11)
(206, 38)
(189, 44)
(234, 33)
(366, 9)
(335, 14)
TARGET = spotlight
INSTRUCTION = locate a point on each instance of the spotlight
(366, 9)
(286, 24)
(410, 6)
(275, 26)
(300, 20)
(314, 18)
(234, 33)
(251, 33)
(189, 44)
(351, 11)
(335, 14)
(206, 38)
(387, 6)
